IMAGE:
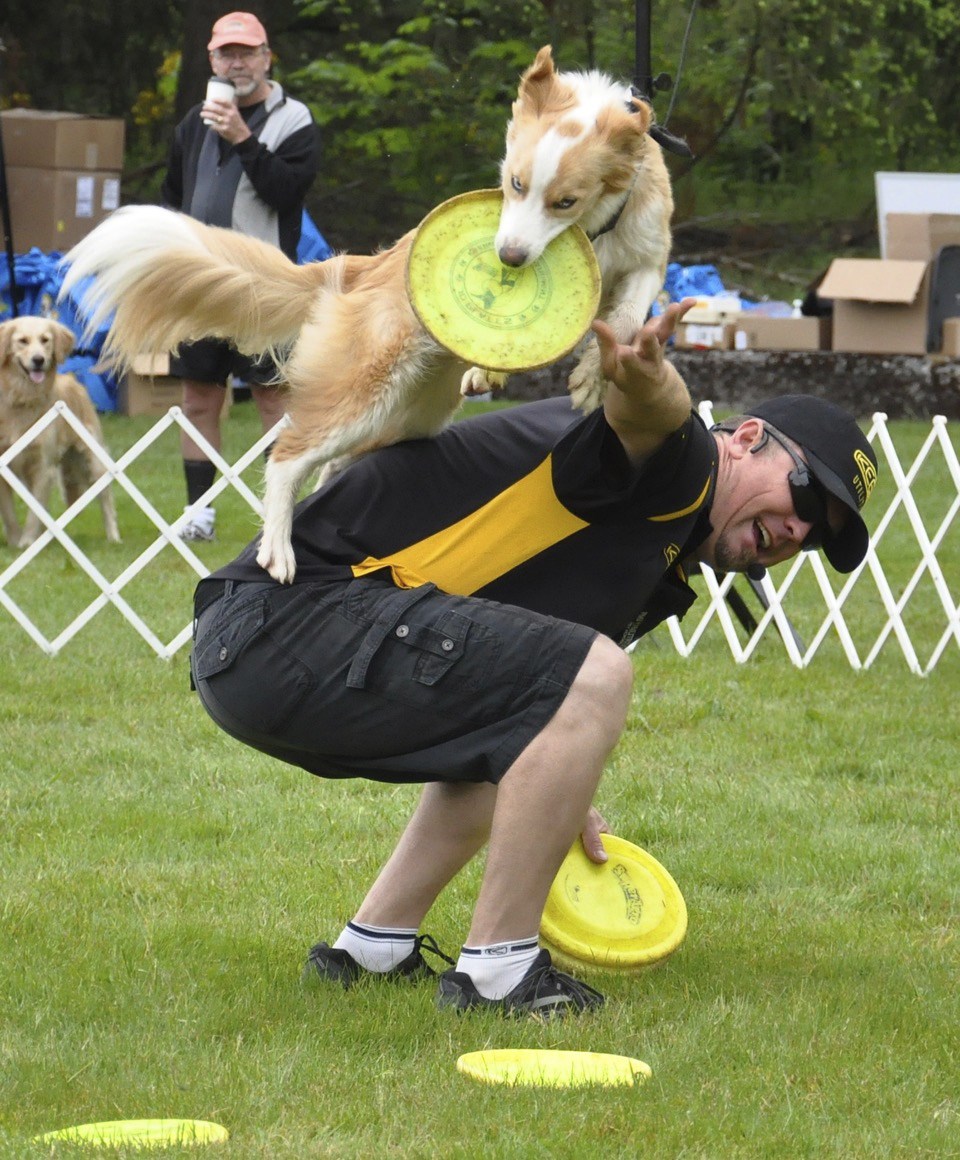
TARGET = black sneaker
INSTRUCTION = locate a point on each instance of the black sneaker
(543, 992)
(339, 966)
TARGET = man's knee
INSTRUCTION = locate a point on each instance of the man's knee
(605, 679)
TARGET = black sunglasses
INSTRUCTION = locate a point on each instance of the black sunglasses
(809, 499)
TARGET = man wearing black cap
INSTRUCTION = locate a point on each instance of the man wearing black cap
(834, 470)
(458, 619)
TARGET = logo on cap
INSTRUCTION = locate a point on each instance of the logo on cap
(863, 483)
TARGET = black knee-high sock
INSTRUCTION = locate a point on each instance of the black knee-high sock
(199, 474)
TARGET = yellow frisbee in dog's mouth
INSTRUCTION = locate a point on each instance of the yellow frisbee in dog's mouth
(496, 316)
(621, 915)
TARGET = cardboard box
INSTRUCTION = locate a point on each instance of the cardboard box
(148, 388)
(711, 310)
(45, 139)
(54, 208)
(919, 236)
(757, 332)
(704, 336)
(879, 305)
(951, 337)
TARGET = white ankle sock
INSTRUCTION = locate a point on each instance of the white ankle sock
(496, 969)
(376, 948)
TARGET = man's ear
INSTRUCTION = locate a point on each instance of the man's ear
(745, 438)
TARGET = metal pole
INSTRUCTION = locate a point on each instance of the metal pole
(5, 211)
(642, 77)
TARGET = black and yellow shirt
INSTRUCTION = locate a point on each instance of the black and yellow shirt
(534, 505)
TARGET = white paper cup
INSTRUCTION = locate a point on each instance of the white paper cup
(219, 89)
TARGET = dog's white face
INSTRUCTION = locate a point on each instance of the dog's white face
(34, 346)
(573, 146)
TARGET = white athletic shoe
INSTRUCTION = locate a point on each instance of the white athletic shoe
(200, 526)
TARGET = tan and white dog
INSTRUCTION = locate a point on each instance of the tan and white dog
(31, 349)
(363, 372)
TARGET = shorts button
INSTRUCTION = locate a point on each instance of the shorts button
(447, 645)
(224, 654)
(403, 630)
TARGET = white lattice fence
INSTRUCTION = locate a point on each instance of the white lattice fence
(904, 595)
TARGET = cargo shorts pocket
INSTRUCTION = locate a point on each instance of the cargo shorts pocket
(247, 675)
(223, 642)
(419, 649)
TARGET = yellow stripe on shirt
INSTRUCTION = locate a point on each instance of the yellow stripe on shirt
(519, 523)
(684, 511)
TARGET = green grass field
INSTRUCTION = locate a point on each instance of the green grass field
(161, 886)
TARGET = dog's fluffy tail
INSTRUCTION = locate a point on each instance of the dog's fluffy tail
(169, 279)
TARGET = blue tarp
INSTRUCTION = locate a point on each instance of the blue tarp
(38, 278)
(692, 282)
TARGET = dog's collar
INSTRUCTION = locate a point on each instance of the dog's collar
(612, 221)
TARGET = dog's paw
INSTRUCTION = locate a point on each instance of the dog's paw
(586, 390)
(278, 560)
(479, 381)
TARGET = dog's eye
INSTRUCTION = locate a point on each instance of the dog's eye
(516, 183)
(565, 203)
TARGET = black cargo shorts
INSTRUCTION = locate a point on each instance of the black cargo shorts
(360, 678)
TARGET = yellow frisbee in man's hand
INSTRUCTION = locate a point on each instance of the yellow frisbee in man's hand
(139, 1134)
(495, 316)
(544, 1067)
(622, 914)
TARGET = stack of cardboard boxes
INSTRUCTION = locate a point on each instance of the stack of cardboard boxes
(63, 175)
(880, 305)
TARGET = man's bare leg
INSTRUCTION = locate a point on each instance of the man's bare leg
(533, 816)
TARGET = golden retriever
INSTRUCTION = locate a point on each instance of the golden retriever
(363, 372)
(31, 348)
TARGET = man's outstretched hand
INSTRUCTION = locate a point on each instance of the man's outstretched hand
(634, 366)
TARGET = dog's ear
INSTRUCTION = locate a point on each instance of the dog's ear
(642, 110)
(6, 338)
(64, 341)
(536, 82)
(623, 129)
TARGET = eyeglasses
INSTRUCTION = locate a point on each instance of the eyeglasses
(241, 54)
(809, 500)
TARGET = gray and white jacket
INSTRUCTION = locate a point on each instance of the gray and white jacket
(257, 187)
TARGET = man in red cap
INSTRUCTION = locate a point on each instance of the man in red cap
(245, 164)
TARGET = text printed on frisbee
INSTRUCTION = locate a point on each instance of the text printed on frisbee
(496, 295)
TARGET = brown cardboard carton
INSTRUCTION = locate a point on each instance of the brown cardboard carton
(46, 139)
(879, 305)
(951, 337)
(148, 388)
(54, 208)
(704, 336)
(756, 332)
(919, 236)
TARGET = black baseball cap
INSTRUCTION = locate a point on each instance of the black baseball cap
(840, 459)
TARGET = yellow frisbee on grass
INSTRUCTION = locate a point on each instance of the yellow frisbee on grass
(624, 914)
(496, 316)
(545, 1067)
(139, 1134)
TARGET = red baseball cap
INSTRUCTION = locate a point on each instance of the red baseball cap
(237, 28)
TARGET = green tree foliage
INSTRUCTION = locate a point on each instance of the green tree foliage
(790, 105)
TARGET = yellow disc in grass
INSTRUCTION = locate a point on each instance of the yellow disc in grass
(496, 316)
(140, 1134)
(623, 914)
(545, 1067)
